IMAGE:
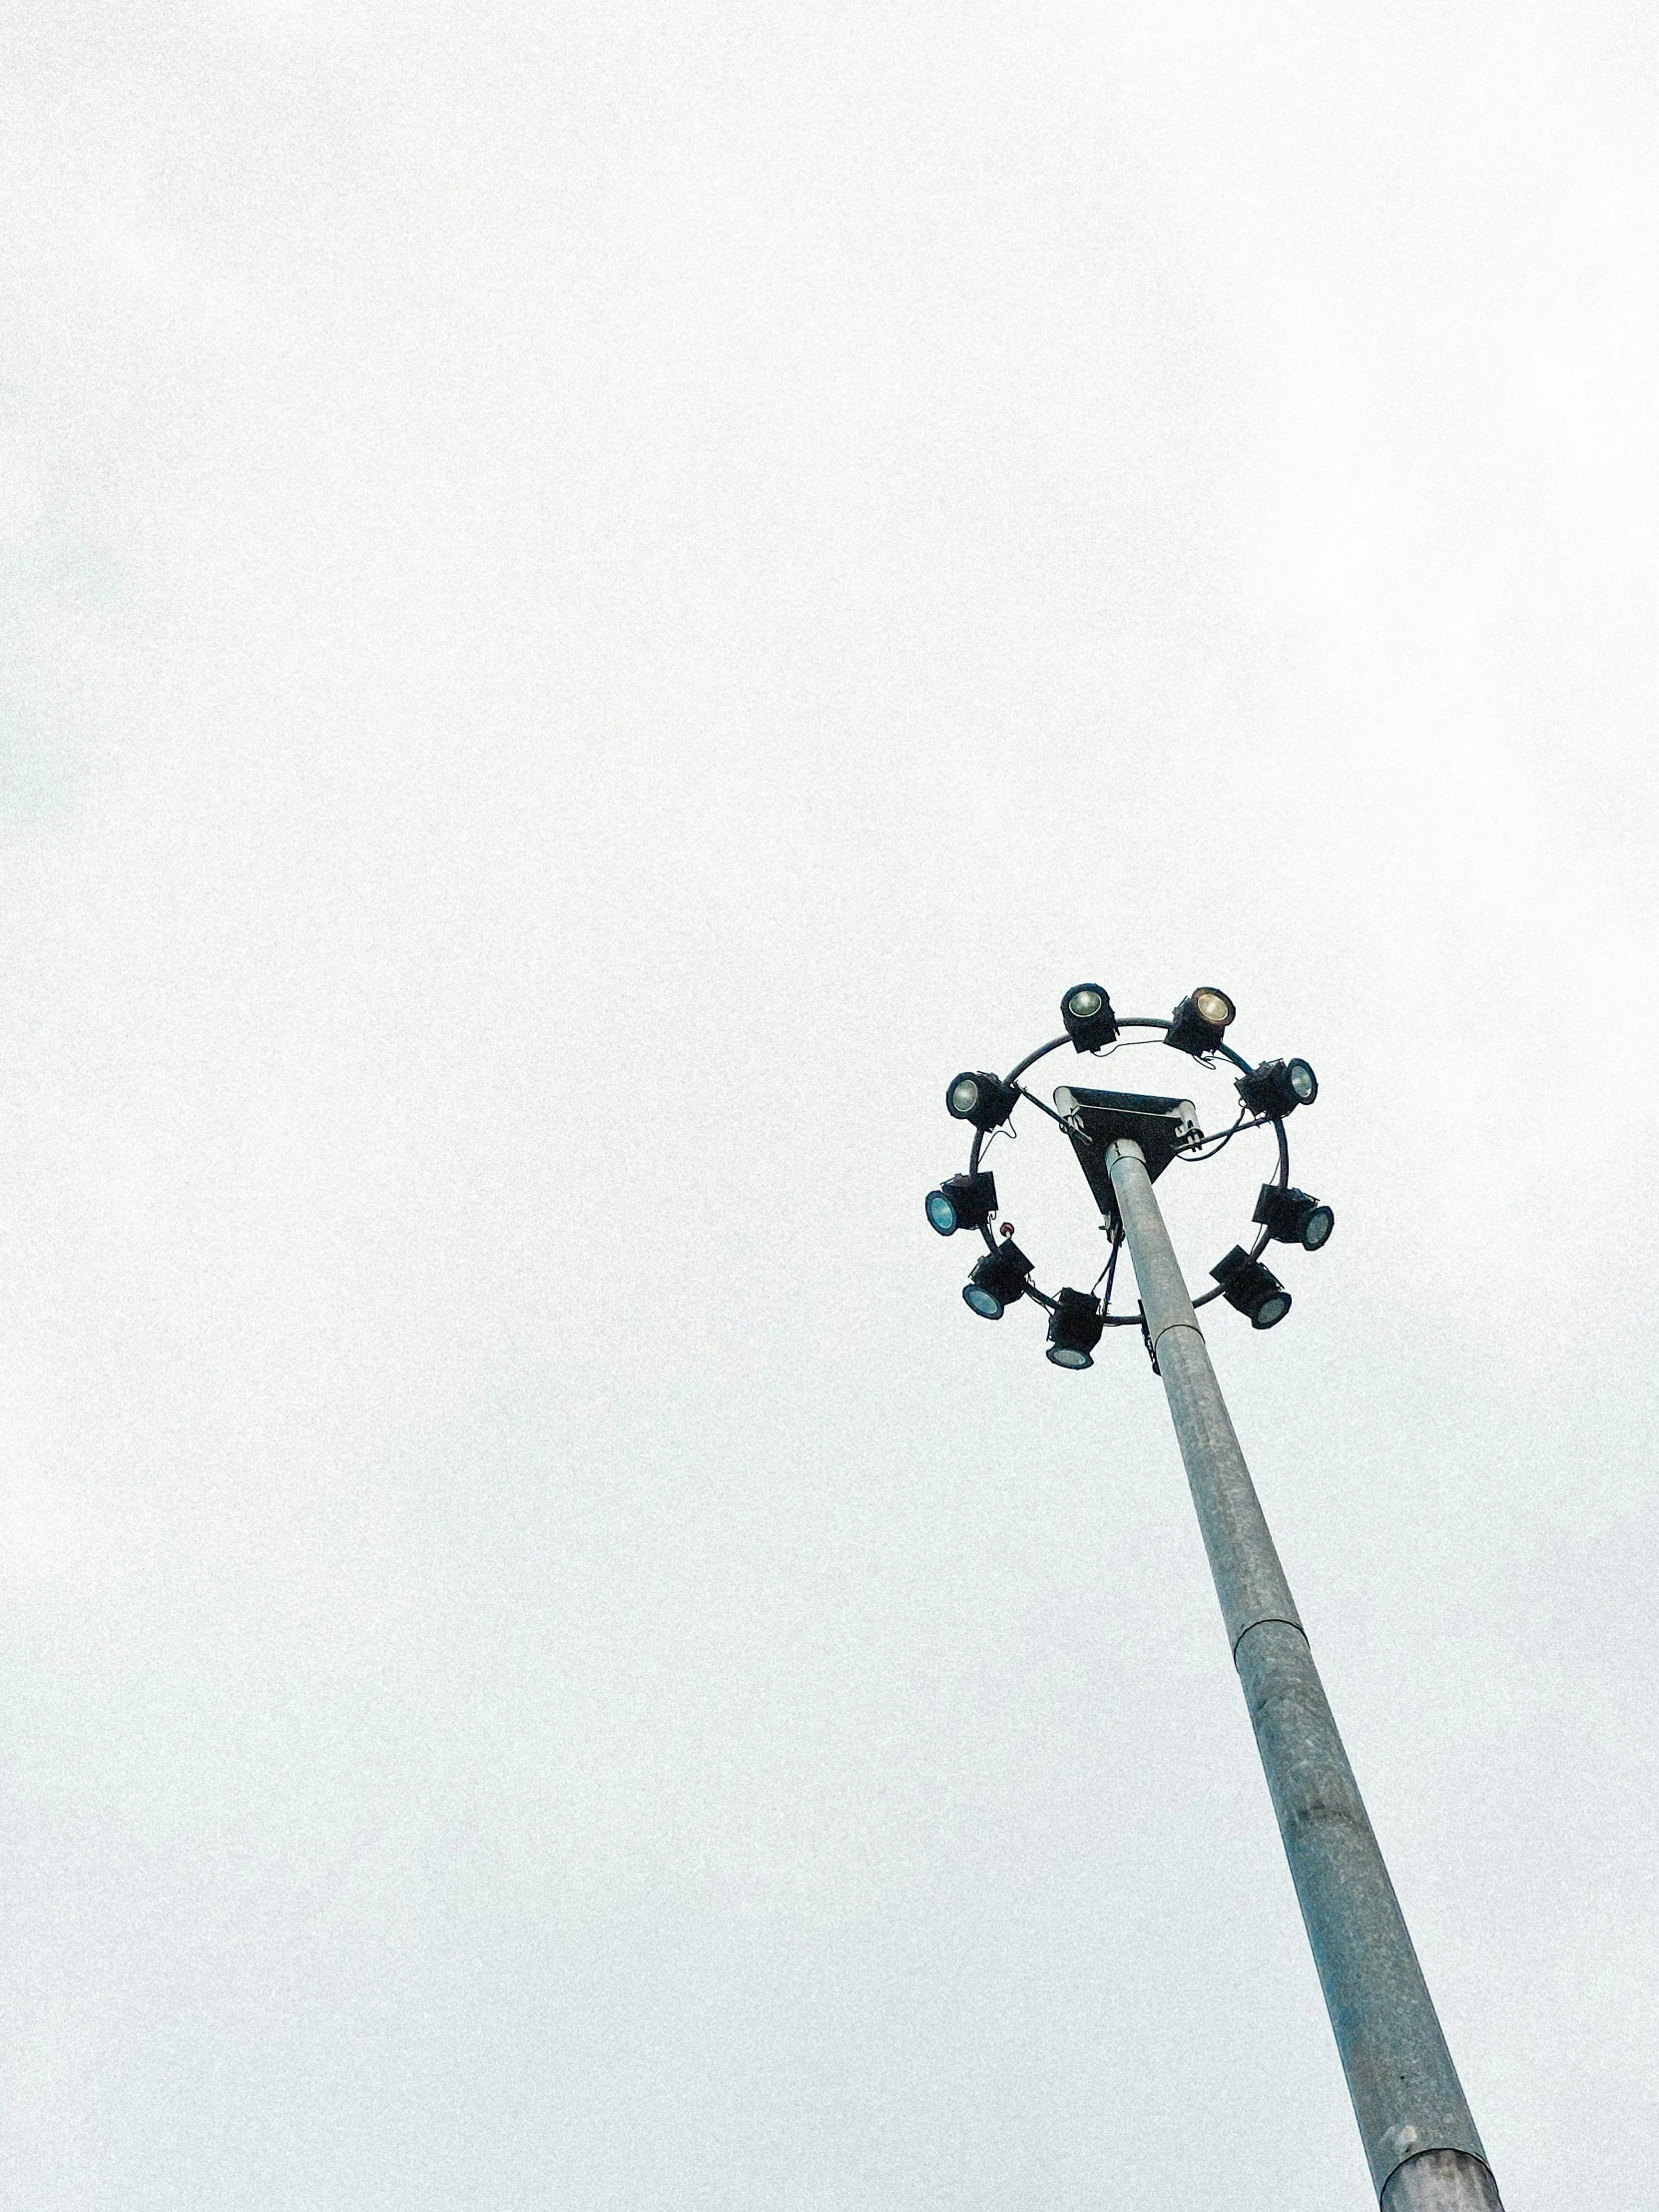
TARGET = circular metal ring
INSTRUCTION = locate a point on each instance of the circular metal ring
(1135, 1022)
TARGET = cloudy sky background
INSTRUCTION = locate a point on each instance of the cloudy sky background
(592, 601)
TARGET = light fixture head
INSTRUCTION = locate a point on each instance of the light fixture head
(1074, 1328)
(1279, 1087)
(997, 1280)
(963, 1202)
(1292, 1217)
(1252, 1288)
(1088, 1016)
(1196, 1024)
(986, 1100)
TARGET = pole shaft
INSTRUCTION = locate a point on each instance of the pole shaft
(1420, 2138)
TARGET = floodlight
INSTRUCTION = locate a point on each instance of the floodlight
(963, 1202)
(1088, 1016)
(1074, 1329)
(1292, 1217)
(984, 1099)
(1252, 1288)
(1279, 1087)
(997, 1280)
(1196, 1025)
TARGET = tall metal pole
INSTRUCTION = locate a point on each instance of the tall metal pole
(1425, 2153)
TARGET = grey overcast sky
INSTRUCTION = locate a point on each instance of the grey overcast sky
(595, 599)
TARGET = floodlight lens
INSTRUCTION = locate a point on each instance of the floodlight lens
(963, 1202)
(1074, 1328)
(997, 1280)
(1251, 1289)
(978, 1096)
(1318, 1227)
(941, 1212)
(1213, 1008)
(1301, 1080)
(1087, 1013)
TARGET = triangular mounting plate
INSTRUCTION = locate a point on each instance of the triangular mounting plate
(1162, 1127)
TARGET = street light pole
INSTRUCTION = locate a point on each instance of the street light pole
(1424, 2152)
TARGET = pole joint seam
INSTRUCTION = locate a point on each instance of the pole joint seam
(1428, 2150)
(1266, 1621)
(1158, 1335)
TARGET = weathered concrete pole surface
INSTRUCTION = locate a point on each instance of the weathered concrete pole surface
(1424, 2152)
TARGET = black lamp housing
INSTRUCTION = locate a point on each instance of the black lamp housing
(986, 1100)
(1252, 1288)
(1074, 1328)
(1197, 1022)
(1293, 1217)
(1279, 1087)
(997, 1280)
(1088, 1016)
(963, 1202)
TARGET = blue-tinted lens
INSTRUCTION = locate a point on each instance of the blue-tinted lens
(1272, 1309)
(941, 1212)
(1318, 1227)
(983, 1301)
(1066, 1355)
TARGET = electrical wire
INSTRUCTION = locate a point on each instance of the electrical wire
(1105, 1052)
(1219, 1145)
(1208, 1147)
